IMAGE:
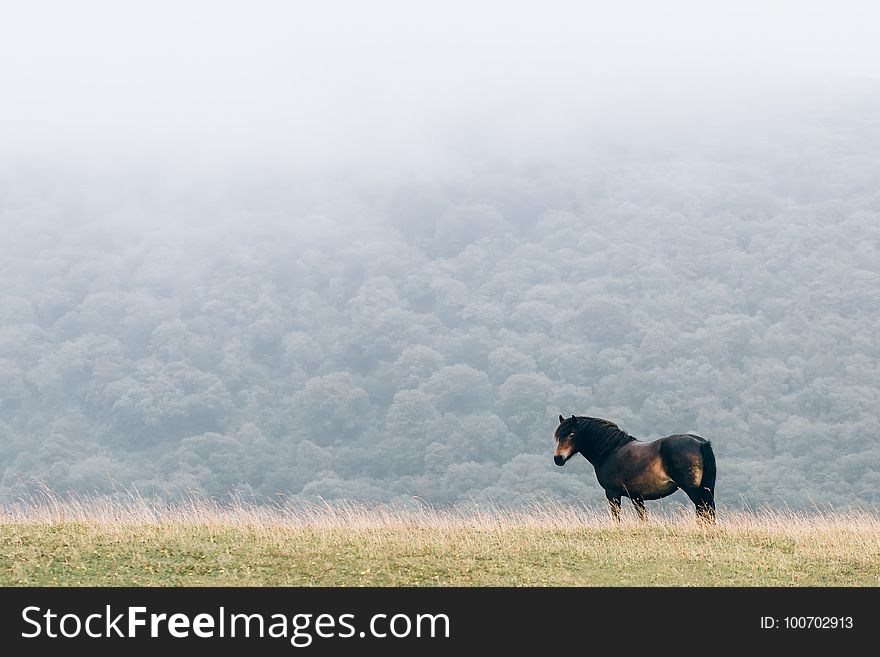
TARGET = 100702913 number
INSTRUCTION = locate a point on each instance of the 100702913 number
(817, 622)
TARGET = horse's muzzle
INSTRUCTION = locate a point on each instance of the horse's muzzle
(559, 459)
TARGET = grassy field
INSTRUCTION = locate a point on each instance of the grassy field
(95, 542)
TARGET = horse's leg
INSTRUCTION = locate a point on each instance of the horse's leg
(706, 510)
(683, 465)
(614, 503)
(639, 503)
(704, 501)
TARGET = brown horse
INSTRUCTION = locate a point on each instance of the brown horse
(626, 467)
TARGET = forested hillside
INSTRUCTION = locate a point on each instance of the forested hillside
(344, 333)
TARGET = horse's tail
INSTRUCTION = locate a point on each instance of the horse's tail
(709, 472)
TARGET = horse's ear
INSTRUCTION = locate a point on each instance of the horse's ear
(561, 419)
(573, 419)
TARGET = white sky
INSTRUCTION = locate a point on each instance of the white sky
(330, 78)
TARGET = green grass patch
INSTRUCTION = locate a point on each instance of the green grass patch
(450, 553)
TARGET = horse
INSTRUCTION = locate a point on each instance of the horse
(628, 467)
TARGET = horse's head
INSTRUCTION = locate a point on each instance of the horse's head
(565, 440)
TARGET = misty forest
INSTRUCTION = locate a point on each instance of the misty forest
(411, 333)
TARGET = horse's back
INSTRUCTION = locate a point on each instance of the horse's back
(685, 438)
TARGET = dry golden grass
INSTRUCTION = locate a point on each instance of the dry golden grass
(97, 541)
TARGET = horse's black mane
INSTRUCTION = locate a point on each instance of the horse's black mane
(596, 438)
